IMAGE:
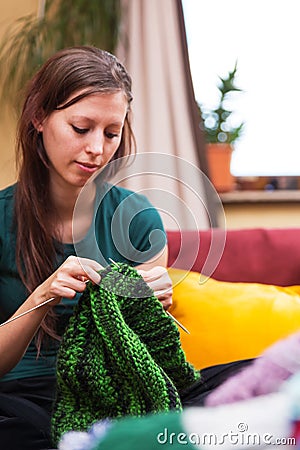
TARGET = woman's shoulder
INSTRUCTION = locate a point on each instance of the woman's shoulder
(7, 199)
(6, 213)
(7, 194)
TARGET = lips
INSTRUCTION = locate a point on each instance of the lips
(87, 166)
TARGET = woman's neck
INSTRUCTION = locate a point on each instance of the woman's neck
(64, 201)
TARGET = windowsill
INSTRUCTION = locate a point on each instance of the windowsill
(257, 196)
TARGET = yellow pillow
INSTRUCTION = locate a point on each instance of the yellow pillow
(231, 321)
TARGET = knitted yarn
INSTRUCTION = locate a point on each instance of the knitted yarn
(120, 355)
(264, 376)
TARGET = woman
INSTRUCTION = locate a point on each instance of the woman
(75, 120)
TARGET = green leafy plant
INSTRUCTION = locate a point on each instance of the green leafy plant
(216, 123)
(63, 23)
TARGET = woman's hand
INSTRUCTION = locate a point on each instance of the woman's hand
(69, 279)
(66, 281)
(158, 279)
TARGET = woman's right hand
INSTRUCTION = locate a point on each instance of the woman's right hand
(68, 279)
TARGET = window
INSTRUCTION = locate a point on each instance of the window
(263, 36)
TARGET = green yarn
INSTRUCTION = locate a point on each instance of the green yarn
(120, 355)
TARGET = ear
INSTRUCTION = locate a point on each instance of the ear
(37, 125)
(38, 122)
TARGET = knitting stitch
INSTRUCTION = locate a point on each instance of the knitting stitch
(120, 355)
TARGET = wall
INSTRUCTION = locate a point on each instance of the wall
(9, 12)
(273, 216)
(256, 209)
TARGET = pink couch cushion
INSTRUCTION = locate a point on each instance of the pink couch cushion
(270, 256)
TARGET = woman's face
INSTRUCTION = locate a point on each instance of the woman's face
(82, 138)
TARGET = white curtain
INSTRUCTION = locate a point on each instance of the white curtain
(167, 168)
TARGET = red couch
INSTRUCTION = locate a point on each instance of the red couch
(270, 256)
(229, 320)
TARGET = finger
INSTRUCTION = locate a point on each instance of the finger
(81, 278)
(92, 275)
(59, 285)
(83, 267)
(153, 274)
(158, 279)
(165, 292)
(64, 291)
(163, 295)
(86, 262)
(143, 273)
(165, 299)
(163, 284)
(91, 263)
(166, 304)
(74, 261)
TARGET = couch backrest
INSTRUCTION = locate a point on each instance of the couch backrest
(270, 256)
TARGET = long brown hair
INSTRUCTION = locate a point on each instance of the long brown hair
(86, 69)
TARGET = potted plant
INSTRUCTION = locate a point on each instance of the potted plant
(221, 133)
(31, 40)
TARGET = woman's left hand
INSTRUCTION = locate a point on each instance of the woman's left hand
(158, 279)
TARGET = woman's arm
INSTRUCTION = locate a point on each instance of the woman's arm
(66, 281)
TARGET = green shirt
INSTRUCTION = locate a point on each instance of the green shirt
(126, 228)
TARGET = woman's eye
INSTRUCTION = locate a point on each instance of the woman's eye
(80, 130)
(111, 135)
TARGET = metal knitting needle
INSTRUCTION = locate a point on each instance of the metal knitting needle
(167, 312)
(112, 261)
(36, 307)
(27, 312)
(178, 323)
(53, 298)
(30, 310)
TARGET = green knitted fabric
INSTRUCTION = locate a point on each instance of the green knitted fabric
(120, 355)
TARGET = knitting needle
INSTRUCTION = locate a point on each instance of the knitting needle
(178, 323)
(53, 298)
(35, 307)
(112, 261)
(27, 312)
(30, 310)
(167, 312)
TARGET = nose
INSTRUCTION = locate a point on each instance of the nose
(95, 144)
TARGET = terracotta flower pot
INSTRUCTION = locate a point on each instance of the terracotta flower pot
(218, 160)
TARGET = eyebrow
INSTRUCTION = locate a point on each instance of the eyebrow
(117, 124)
